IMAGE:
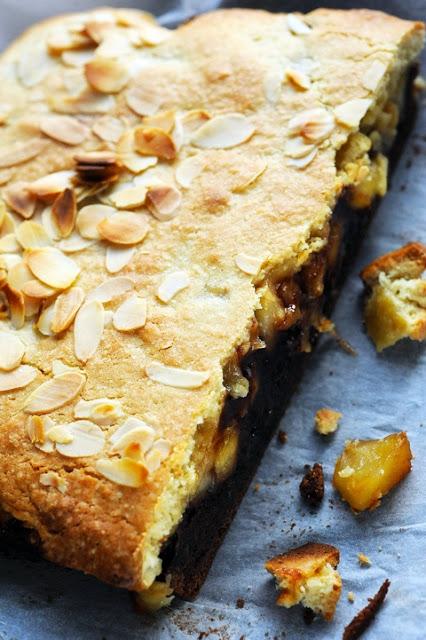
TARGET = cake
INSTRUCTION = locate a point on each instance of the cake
(178, 208)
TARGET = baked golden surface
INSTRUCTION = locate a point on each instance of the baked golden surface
(221, 138)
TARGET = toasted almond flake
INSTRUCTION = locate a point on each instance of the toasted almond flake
(49, 186)
(37, 428)
(33, 65)
(296, 25)
(248, 182)
(159, 452)
(151, 141)
(249, 264)
(298, 148)
(110, 289)
(106, 75)
(18, 198)
(60, 434)
(64, 129)
(16, 302)
(53, 479)
(124, 228)
(175, 377)
(188, 170)
(192, 120)
(12, 155)
(48, 223)
(77, 58)
(114, 45)
(163, 201)
(36, 289)
(118, 257)
(88, 329)
(88, 440)
(59, 367)
(374, 74)
(131, 315)
(136, 164)
(44, 323)
(313, 124)
(64, 212)
(122, 471)
(32, 235)
(301, 163)
(102, 411)
(108, 128)
(90, 102)
(98, 29)
(223, 132)
(131, 198)
(152, 34)
(89, 217)
(128, 425)
(55, 393)
(9, 244)
(52, 267)
(142, 101)
(299, 79)
(65, 309)
(32, 307)
(351, 113)
(12, 351)
(20, 377)
(142, 436)
(172, 284)
(272, 85)
(65, 39)
(7, 223)
(74, 243)
(164, 120)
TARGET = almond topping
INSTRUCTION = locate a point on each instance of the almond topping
(36, 289)
(164, 120)
(97, 166)
(11, 351)
(152, 33)
(77, 58)
(19, 153)
(223, 132)
(298, 148)
(123, 471)
(192, 120)
(20, 377)
(102, 411)
(142, 436)
(53, 479)
(155, 456)
(15, 300)
(313, 124)
(136, 163)
(44, 323)
(64, 212)
(32, 66)
(131, 198)
(108, 128)
(18, 198)
(60, 434)
(249, 264)
(154, 142)
(296, 25)
(111, 289)
(350, 113)
(60, 367)
(55, 393)
(106, 75)
(67, 40)
(89, 217)
(188, 170)
(301, 163)
(163, 201)
(9, 244)
(64, 129)
(65, 309)
(299, 79)
(141, 101)
(124, 228)
(49, 186)
(52, 267)
(174, 377)
(131, 315)
(88, 329)
(73, 244)
(37, 428)
(88, 440)
(32, 235)
(272, 84)
(172, 284)
(117, 258)
(373, 76)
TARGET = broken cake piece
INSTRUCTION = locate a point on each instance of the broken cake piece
(327, 421)
(396, 306)
(307, 575)
(312, 485)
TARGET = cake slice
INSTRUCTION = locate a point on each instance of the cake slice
(170, 237)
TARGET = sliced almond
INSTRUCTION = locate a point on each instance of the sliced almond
(12, 155)
(33, 66)
(98, 29)
(172, 284)
(163, 201)
(131, 315)
(7, 223)
(118, 257)
(9, 244)
(106, 75)
(52, 267)
(297, 26)
(130, 198)
(304, 161)
(136, 163)
(249, 264)
(49, 186)
(164, 120)
(122, 471)
(16, 302)
(88, 440)
(188, 170)
(32, 235)
(60, 367)
(272, 86)
(55, 393)
(60, 434)
(74, 243)
(251, 179)
(110, 289)
(12, 351)
(192, 120)
(88, 329)
(44, 323)
(90, 103)
(114, 45)
(65, 309)
(297, 78)
(351, 113)
(67, 40)
(142, 101)
(37, 428)
(135, 443)
(77, 58)
(128, 425)
(374, 74)
(152, 33)
(53, 479)
(313, 124)
(102, 411)
(36, 289)
(64, 212)
(175, 377)
(155, 142)
(20, 377)
(18, 198)
(124, 228)
(155, 456)
(64, 129)
(223, 132)
(89, 217)
(108, 128)
(48, 223)
(298, 148)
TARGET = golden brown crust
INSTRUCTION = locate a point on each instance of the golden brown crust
(303, 561)
(411, 257)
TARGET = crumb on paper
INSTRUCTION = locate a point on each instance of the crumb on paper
(256, 487)
(351, 596)
(419, 83)
(240, 603)
(282, 436)
(327, 420)
(365, 617)
(364, 560)
(312, 485)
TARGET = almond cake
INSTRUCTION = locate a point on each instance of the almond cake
(176, 210)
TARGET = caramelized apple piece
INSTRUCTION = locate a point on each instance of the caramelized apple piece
(369, 469)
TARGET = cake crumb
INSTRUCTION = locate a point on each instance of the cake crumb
(240, 603)
(282, 436)
(327, 420)
(312, 485)
(365, 617)
(351, 596)
(256, 487)
(364, 560)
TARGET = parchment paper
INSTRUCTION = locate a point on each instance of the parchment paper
(377, 394)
